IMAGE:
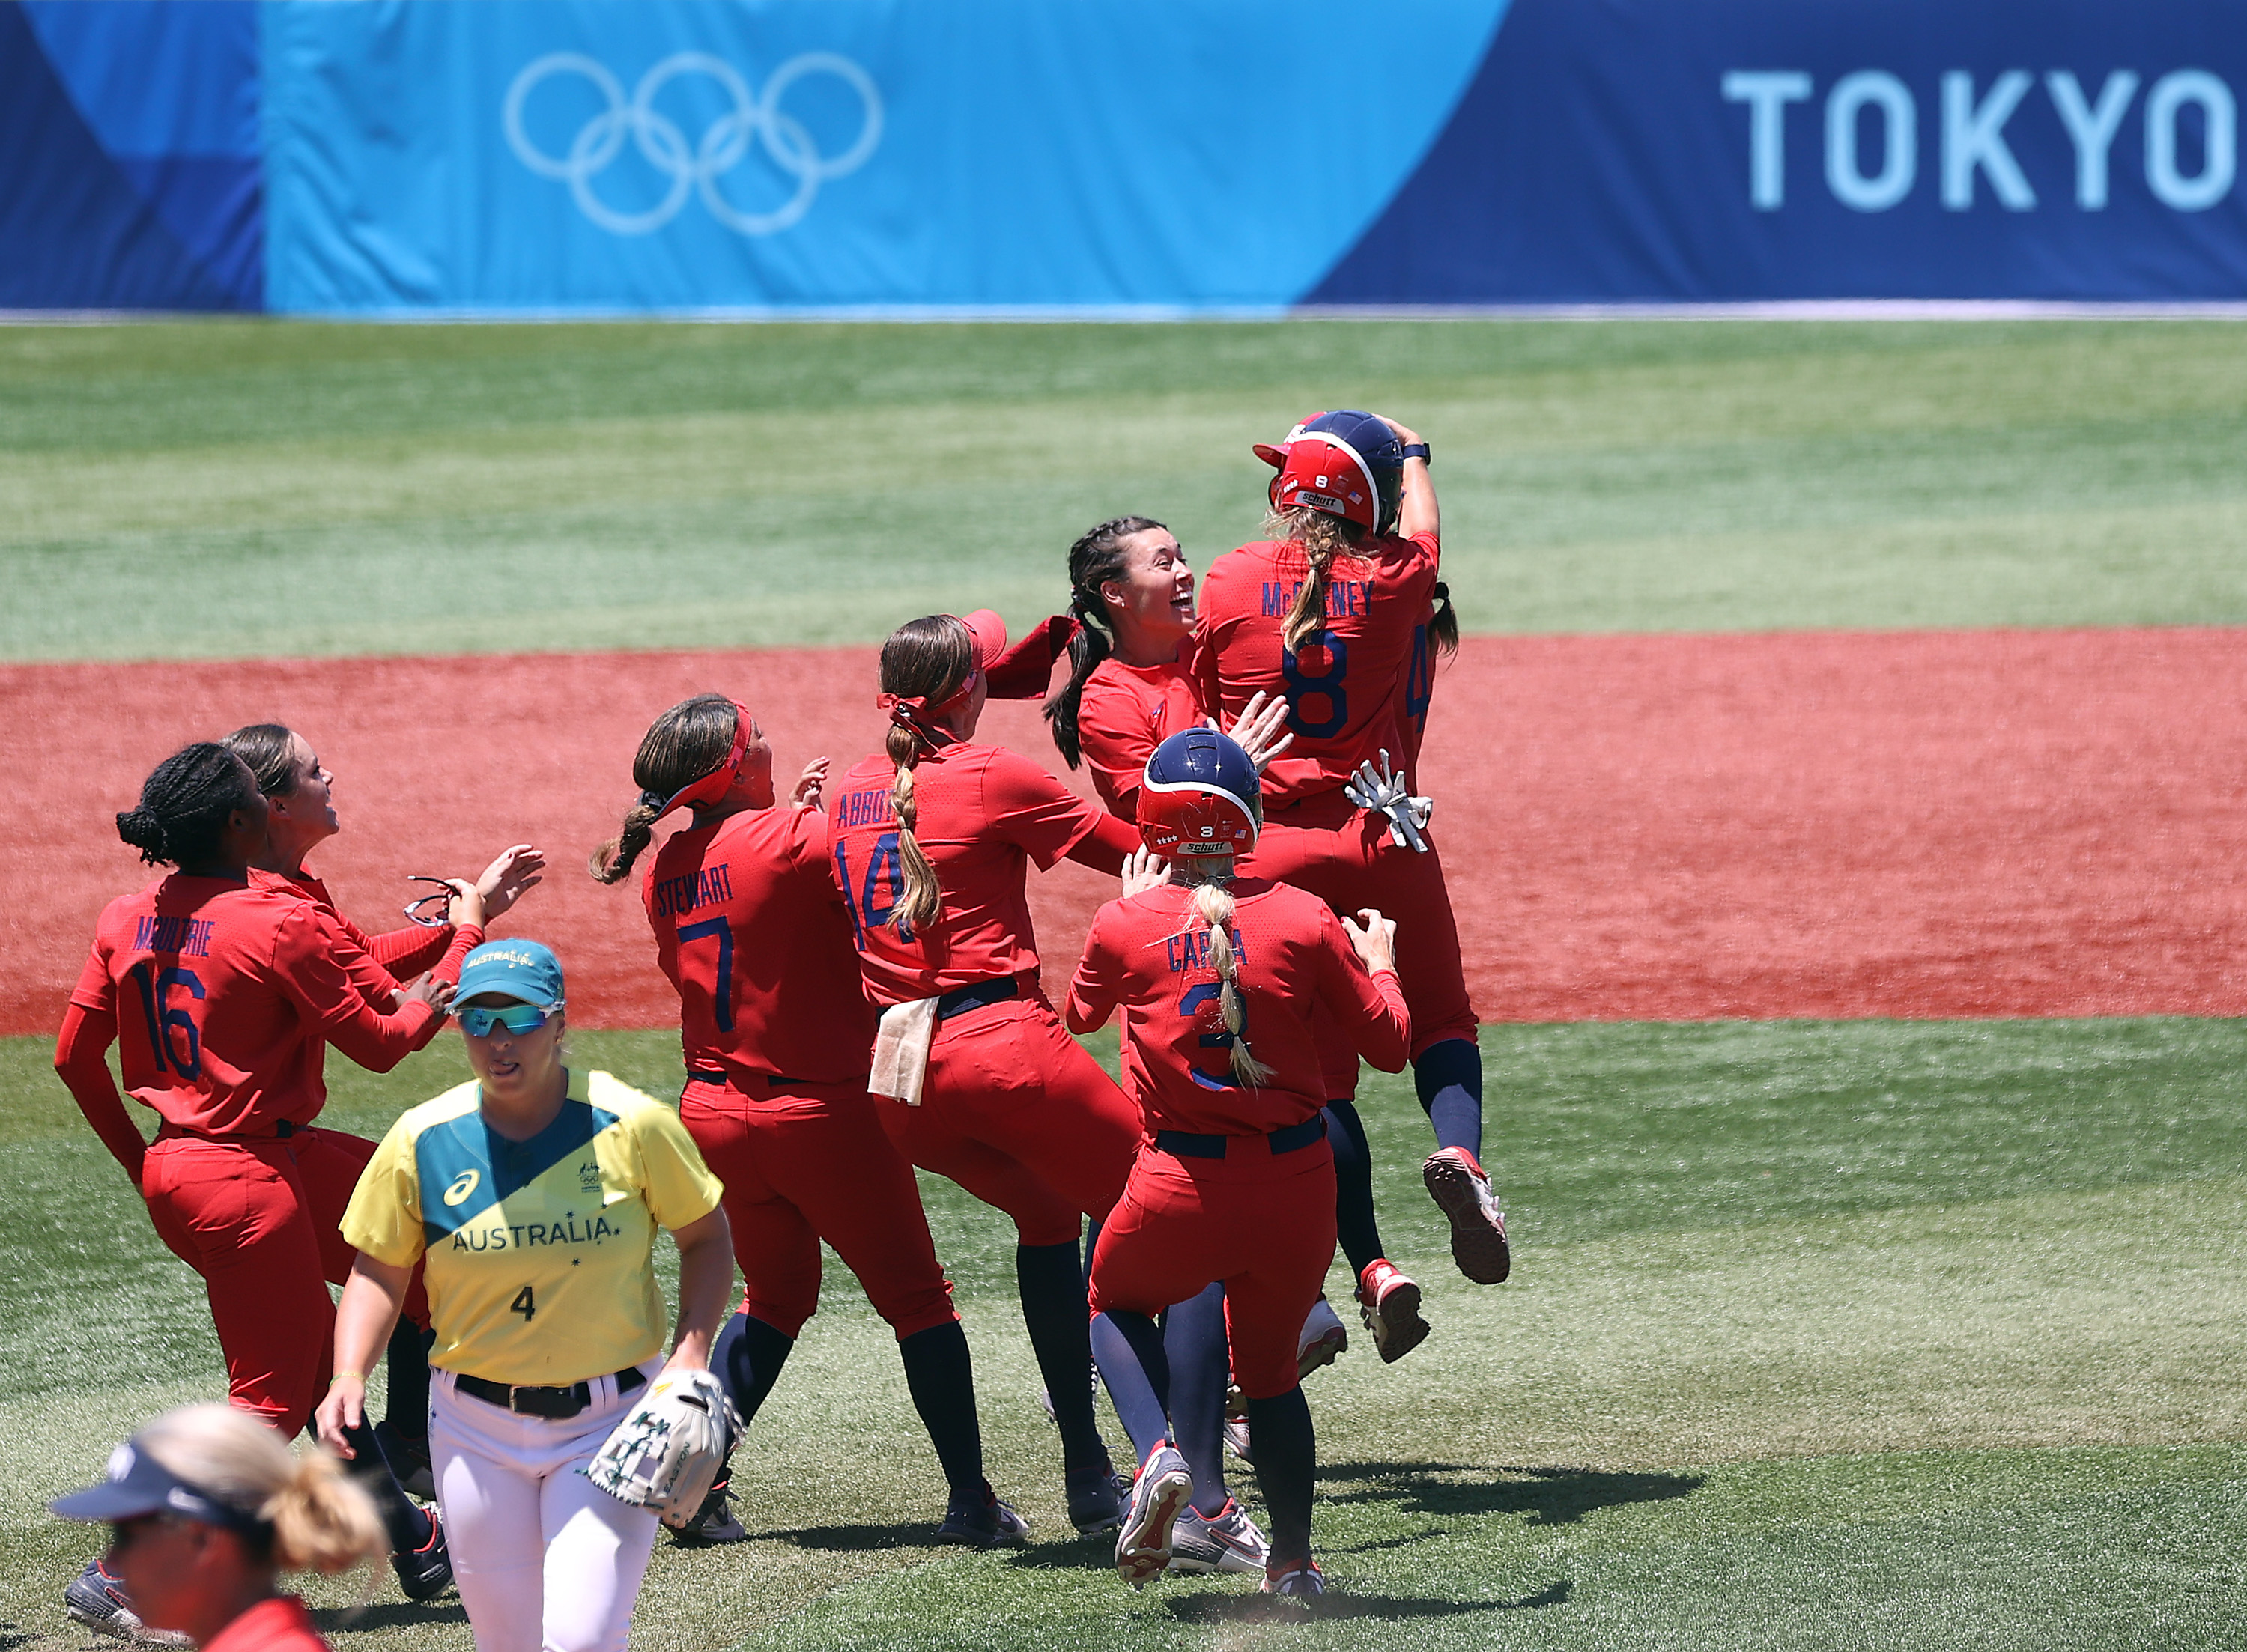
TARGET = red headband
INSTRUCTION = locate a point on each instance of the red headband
(720, 781)
(987, 639)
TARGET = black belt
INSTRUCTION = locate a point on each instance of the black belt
(281, 1130)
(543, 1402)
(961, 999)
(734, 1081)
(1187, 1144)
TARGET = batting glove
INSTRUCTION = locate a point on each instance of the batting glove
(1382, 791)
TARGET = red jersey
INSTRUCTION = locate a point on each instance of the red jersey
(981, 813)
(749, 929)
(278, 1624)
(1299, 976)
(220, 993)
(1345, 687)
(1125, 711)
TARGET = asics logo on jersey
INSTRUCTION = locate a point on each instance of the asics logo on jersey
(463, 1185)
(694, 168)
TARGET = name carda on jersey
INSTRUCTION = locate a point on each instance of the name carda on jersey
(190, 936)
(523, 1236)
(1344, 596)
(868, 807)
(1190, 952)
(675, 895)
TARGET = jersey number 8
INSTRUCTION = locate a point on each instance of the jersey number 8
(1328, 684)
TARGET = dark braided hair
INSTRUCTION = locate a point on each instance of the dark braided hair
(680, 747)
(185, 804)
(1093, 560)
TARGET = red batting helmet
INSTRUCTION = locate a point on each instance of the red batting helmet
(1347, 464)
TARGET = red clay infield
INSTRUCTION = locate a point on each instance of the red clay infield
(1924, 823)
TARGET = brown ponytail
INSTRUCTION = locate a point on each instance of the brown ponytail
(1322, 538)
(926, 659)
(680, 747)
(1214, 902)
(1444, 626)
(1093, 560)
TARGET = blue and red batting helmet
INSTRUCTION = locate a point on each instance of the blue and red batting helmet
(1347, 464)
(1200, 795)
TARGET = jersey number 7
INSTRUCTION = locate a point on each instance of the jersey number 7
(721, 1001)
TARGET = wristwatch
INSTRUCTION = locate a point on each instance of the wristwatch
(1419, 450)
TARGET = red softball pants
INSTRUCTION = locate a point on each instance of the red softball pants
(1261, 1223)
(1015, 1112)
(1326, 848)
(803, 1162)
(260, 1220)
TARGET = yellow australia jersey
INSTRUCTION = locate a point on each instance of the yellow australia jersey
(540, 1253)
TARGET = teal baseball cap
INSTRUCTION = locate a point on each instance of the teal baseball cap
(519, 969)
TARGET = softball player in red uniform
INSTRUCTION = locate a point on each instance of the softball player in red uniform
(300, 816)
(212, 986)
(1131, 683)
(1334, 613)
(932, 840)
(1236, 1182)
(778, 1035)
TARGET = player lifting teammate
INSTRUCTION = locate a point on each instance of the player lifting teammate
(1337, 612)
(1223, 984)
(778, 1036)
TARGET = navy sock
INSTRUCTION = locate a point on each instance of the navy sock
(1448, 1079)
(1287, 1469)
(747, 1360)
(942, 1380)
(1051, 1280)
(1193, 1342)
(1353, 1159)
(407, 1363)
(407, 1526)
(1137, 1373)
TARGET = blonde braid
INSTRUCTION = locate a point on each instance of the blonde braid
(1214, 902)
(923, 898)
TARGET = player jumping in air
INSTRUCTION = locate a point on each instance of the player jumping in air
(1337, 613)
(778, 1035)
(1224, 984)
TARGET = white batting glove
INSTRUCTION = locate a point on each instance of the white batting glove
(1382, 791)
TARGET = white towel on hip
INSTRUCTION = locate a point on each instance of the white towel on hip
(901, 1050)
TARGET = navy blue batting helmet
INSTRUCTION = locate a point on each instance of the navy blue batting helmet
(1200, 795)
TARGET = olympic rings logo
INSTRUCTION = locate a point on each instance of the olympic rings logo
(723, 144)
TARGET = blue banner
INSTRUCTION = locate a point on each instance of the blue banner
(785, 156)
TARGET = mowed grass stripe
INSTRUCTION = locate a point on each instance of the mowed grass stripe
(230, 489)
(1920, 1331)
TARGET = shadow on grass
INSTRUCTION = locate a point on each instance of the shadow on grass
(386, 1615)
(1549, 1496)
(1263, 1608)
(850, 1538)
(12, 1635)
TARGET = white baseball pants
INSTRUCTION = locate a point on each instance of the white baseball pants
(545, 1560)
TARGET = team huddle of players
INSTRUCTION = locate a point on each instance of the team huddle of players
(858, 988)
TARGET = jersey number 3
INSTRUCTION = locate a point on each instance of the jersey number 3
(1326, 687)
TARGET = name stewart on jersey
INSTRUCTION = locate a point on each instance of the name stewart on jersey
(867, 808)
(1344, 596)
(706, 886)
(1190, 952)
(190, 936)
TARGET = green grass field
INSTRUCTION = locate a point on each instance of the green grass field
(270, 488)
(1823, 1335)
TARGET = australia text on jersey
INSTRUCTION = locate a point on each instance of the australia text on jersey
(520, 1236)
